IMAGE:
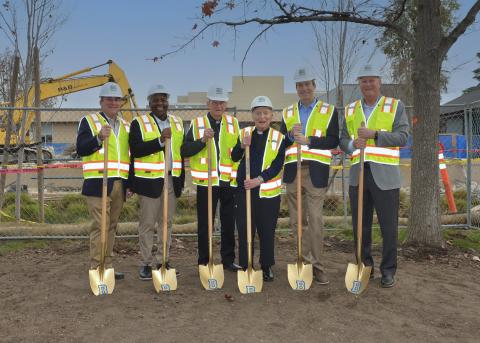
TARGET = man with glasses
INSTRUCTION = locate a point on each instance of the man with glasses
(223, 130)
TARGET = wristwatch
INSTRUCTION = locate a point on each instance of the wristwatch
(260, 178)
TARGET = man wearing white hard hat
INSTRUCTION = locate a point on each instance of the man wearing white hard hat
(312, 125)
(222, 128)
(267, 154)
(147, 146)
(94, 131)
(386, 130)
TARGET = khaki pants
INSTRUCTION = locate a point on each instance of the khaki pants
(151, 213)
(312, 218)
(114, 207)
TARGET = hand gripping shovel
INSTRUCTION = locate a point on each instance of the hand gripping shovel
(165, 279)
(358, 275)
(102, 281)
(211, 275)
(250, 280)
(300, 274)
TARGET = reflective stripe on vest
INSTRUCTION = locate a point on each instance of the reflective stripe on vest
(118, 152)
(152, 166)
(381, 119)
(228, 137)
(317, 125)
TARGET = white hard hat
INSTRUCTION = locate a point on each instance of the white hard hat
(111, 89)
(369, 70)
(217, 93)
(261, 100)
(303, 74)
(158, 89)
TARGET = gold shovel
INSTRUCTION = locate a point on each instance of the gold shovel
(102, 281)
(358, 275)
(211, 275)
(300, 274)
(250, 280)
(165, 279)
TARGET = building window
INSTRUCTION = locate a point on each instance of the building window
(47, 132)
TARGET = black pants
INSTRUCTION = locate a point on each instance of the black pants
(386, 204)
(264, 220)
(225, 195)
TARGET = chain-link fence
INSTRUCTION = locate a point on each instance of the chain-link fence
(460, 191)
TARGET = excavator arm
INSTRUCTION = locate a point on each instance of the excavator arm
(67, 84)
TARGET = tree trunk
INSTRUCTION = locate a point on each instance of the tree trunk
(424, 225)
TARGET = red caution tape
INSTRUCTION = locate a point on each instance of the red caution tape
(35, 169)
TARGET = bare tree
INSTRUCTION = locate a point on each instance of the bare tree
(430, 46)
(339, 45)
(42, 19)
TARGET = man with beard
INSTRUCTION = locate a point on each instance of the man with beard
(147, 145)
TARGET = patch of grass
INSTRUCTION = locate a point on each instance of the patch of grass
(10, 246)
(463, 239)
(184, 218)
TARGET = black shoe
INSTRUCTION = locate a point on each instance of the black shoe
(267, 274)
(232, 267)
(145, 273)
(168, 266)
(119, 276)
(387, 281)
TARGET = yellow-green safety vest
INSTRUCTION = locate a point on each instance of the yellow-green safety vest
(153, 166)
(226, 169)
(118, 152)
(317, 126)
(381, 119)
(272, 187)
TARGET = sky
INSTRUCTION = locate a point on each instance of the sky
(132, 32)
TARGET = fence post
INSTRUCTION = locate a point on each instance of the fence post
(38, 135)
(468, 113)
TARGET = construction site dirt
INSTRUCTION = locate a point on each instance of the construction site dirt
(45, 297)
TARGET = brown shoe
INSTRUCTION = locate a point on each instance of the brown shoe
(320, 277)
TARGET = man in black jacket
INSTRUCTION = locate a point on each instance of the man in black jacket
(147, 145)
(93, 131)
(311, 125)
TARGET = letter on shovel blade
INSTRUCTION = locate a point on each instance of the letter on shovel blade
(357, 277)
(211, 276)
(164, 279)
(102, 283)
(300, 276)
(249, 281)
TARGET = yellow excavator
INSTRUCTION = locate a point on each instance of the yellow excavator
(53, 87)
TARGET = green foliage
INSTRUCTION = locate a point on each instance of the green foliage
(401, 53)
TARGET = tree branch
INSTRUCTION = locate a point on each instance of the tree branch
(312, 16)
(449, 40)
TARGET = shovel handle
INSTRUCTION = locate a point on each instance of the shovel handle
(299, 201)
(103, 229)
(166, 181)
(209, 197)
(248, 206)
(360, 204)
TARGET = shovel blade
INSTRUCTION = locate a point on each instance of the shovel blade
(164, 279)
(102, 283)
(211, 276)
(357, 277)
(249, 281)
(300, 276)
